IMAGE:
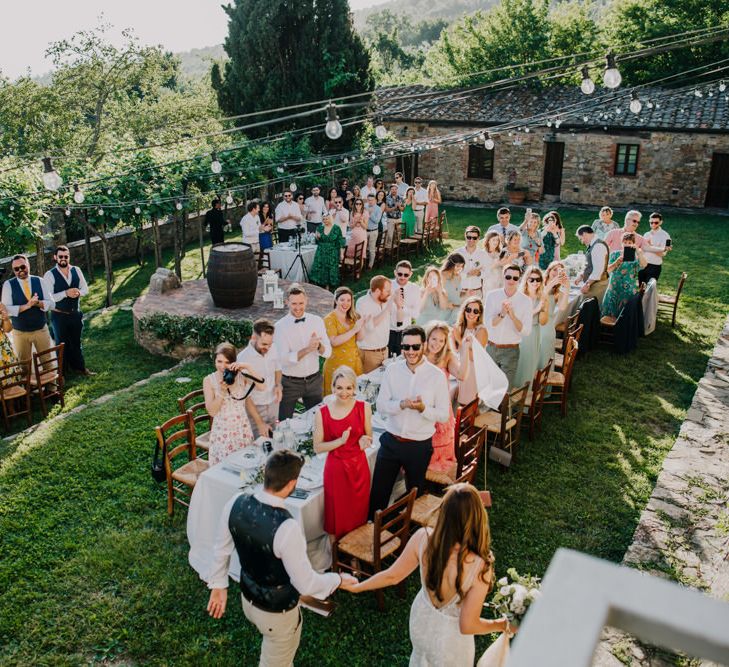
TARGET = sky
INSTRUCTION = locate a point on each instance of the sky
(29, 26)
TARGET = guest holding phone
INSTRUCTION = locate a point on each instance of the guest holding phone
(468, 330)
(623, 267)
(433, 299)
(557, 289)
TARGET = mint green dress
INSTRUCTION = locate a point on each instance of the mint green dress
(548, 334)
(431, 310)
(452, 289)
(529, 352)
(325, 268)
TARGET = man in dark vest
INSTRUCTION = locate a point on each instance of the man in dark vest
(27, 299)
(275, 569)
(68, 285)
(594, 279)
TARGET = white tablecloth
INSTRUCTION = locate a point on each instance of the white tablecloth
(282, 257)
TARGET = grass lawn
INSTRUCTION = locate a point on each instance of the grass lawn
(92, 570)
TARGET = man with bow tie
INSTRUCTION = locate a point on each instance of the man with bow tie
(300, 339)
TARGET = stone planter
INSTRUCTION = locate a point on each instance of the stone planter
(516, 196)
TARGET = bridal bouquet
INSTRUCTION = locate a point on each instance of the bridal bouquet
(514, 595)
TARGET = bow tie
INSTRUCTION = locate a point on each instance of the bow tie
(301, 319)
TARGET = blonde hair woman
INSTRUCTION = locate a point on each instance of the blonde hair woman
(434, 199)
(493, 272)
(433, 300)
(557, 289)
(469, 325)
(342, 325)
(532, 284)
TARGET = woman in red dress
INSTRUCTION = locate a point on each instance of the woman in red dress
(343, 428)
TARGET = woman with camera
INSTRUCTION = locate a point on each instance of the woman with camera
(227, 395)
(623, 267)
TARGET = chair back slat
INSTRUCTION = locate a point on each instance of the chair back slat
(168, 433)
(569, 361)
(394, 519)
(465, 418)
(471, 449)
(183, 403)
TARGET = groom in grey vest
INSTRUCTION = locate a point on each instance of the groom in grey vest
(594, 279)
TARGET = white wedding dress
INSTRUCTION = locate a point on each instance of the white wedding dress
(434, 631)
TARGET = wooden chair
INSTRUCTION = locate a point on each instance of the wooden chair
(176, 437)
(15, 391)
(668, 302)
(380, 249)
(369, 545)
(194, 403)
(264, 263)
(353, 265)
(407, 245)
(503, 428)
(442, 222)
(47, 380)
(559, 358)
(559, 383)
(535, 400)
(566, 329)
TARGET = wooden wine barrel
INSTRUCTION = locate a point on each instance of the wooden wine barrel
(232, 275)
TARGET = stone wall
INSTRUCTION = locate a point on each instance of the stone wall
(673, 168)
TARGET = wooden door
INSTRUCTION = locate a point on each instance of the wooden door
(717, 193)
(553, 162)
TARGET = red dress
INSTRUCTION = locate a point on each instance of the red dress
(346, 473)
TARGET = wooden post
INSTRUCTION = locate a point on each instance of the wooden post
(88, 253)
(200, 224)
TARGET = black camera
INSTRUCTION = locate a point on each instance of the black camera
(229, 376)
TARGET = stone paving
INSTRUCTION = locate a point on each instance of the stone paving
(683, 533)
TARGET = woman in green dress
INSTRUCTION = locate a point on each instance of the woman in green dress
(408, 214)
(532, 285)
(7, 354)
(623, 283)
(329, 240)
(450, 275)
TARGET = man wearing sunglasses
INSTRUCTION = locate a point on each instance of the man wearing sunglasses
(476, 260)
(288, 217)
(414, 395)
(406, 298)
(27, 299)
(508, 318)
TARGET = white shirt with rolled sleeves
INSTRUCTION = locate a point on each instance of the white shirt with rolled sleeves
(421, 198)
(400, 383)
(478, 259)
(50, 279)
(374, 336)
(599, 253)
(289, 545)
(46, 297)
(505, 331)
(316, 208)
(250, 224)
(411, 308)
(657, 240)
(265, 367)
(284, 209)
(365, 191)
(402, 190)
(290, 337)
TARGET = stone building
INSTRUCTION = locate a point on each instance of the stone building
(675, 152)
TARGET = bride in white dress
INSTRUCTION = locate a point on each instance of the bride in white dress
(456, 575)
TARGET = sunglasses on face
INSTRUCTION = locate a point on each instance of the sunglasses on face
(403, 275)
(415, 347)
(655, 222)
(474, 311)
(18, 269)
(511, 277)
(63, 256)
(471, 238)
(535, 279)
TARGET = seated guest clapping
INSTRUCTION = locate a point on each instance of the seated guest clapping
(343, 428)
(414, 397)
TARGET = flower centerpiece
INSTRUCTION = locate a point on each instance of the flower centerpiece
(574, 265)
(514, 594)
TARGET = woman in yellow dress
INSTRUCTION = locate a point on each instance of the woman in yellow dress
(343, 324)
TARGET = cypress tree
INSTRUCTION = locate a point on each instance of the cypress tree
(285, 52)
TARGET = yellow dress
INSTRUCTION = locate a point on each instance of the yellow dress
(7, 355)
(342, 355)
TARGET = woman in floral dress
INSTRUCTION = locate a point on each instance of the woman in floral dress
(623, 282)
(329, 241)
(7, 354)
(342, 324)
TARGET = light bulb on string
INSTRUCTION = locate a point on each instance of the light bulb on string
(489, 143)
(333, 128)
(229, 198)
(376, 169)
(549, 123)
(12, 208)
(611, 77)
(588, 85)
(68, 212)
(100, 211)
(178, 205)
(346, 160)
(722, 86)
(51, 180)
(78, 195)
(635, 104)
(221, 179)
(137, 210)
(215, 165)
(698, 93)
(380, 131)
(108, 192)
(649, 104)
(585, 118)
(558, 122)
(293, 187)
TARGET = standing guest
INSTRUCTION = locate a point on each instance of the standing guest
(27, 299)
(529, 347)
(357, 215)
(492, 272)
(325, 267)
(275, 569)
(374, 228)
(531, 238)
(438, 351)
(68, 285)
(614, 239)
(433, 299)
(512, 252)
(503, 226)
(434, 200)
(303, 209)
(469, 327)
(340, 216)
(226, 403)
(375, 308)
(358, 234)
(332, 199)
(316, 208)
(215, 222)
(406, 304)
(408, 214)
(344, 193)
(476, 260)
(623, 277)
(604, 223)
(379, 185)
(393, 207)
(402, 186)
(414, 396)
(456, 575)
(261, 357)
(557, 288)
(450, 273)
(420, 202)
(265, 236)
(659, 245)
(343, 428)
(288, 217)
(250, 223)
(594, 279)
(552, 239)
(356, 193)
(508, 316)
(300, 339)
(342, 326)
(368, 189)
(7, 354)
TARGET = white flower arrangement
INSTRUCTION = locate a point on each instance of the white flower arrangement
(514, 594)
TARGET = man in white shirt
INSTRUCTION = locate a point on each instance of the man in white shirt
(406, 305)
(374, 228)
(402, 186)
(476, 262)
(420, 201)
(368, 189)
(503, 227)
(660, 245)
(68, 285)
(275, 568)
(375, 308)
(414, 395)
(250, 224)
(262, 357)
(594, 279)
(316, 208)
(300, 339)
(507, 314)
(288, 217)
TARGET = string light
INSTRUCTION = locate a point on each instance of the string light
(100, 211)
(137, 210)
(178, 205)
(635, 104)
(588, 85)
(78, 194)
(611, 77)
(51, 180)
(293, 187)
(381, 131)
(333, 128)
(489, 143)
(68, 212)
(229, 199)
(376, 169)
(722, 86)
(698, 93)
(215, 165)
